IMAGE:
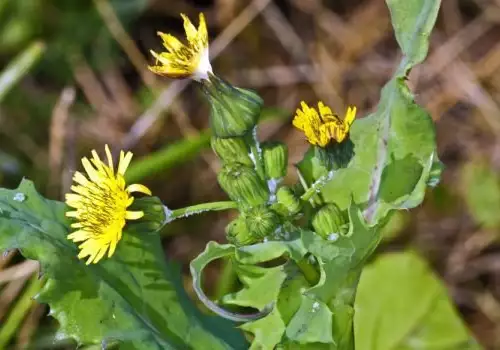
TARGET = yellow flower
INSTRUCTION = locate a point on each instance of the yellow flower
(323, 127)
(183, 61)
(101, 203)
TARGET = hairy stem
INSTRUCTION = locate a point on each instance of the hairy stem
(172, 215)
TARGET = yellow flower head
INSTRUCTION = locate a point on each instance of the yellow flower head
(323, 127)
(101, 203)
(183, 61)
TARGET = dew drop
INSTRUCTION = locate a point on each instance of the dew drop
(333, 237)
(315, 306)
(19, 197)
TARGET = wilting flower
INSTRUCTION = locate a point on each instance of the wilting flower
(323, 127)
(183, 61)
(101, 203)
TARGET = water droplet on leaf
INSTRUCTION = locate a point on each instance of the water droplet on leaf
(19, 197)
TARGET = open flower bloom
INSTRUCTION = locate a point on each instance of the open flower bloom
(101, 201)
(322, 126)
(183, 61)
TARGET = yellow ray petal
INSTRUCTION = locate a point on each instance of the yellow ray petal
(138, 188)
(124, 163)
(110, 158)
(190, 29)
(134, 215)
(170, 42)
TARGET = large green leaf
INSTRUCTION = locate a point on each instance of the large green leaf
(395, 146)
(401, 305)
(135, 297)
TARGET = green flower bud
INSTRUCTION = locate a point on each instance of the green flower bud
(275, 159)
(233, 111)
(329, 222)
(238, 234)
(243, 185)
(288, 200)
(261, 221)
(231, 150)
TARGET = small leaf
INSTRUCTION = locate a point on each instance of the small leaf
(267, 331)
(260, 286)
(400, 304)
(311, 324)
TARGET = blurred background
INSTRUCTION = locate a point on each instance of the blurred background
(74, 77)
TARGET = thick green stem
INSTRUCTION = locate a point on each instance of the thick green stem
(310, 272)
(198, 209)
(256, 152)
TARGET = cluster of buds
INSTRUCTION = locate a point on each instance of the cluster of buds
(252, 172)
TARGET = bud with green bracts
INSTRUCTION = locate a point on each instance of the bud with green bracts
(336, 155)
(275, 159)
(261, 221)
(237, 233)
(287, 199)
(243, 185)
(231, 150)
(252, 226)
(330, 222)
(233, 111)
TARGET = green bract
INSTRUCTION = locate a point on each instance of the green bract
(233, 111)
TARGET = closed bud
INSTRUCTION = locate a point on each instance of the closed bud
(261, 221)
(275, 159)
(233, 111)
(243, 185)
(329, 222)
(238, 234)
(231, 150)
(288, 200)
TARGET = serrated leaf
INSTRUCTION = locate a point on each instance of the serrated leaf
(399, 136)
(260, 286)
(267, 331)
(401, 305)
(134, 297)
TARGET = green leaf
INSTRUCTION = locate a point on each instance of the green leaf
(267, 331)
(134, 297)
(260, 286)
(401, 305)
(311, 324)
(481, 189)
(395, 146)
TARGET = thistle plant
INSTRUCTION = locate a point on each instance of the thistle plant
(298, 249)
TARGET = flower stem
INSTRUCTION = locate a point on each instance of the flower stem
(309, 271)
(317, 186)
(198, 208)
